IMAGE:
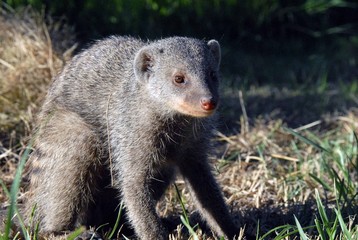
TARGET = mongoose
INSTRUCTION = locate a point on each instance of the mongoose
(120, 120)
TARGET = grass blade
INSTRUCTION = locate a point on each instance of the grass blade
(346, 233)
(190, 229)
(184, 218)
(321, 210)
(13, 194)
(76, 233)
(279, 228)
(319, 229)
(300, 230)
(306, 140)
(117, 221)
(257, 230)
(181, 203)
(324, 184)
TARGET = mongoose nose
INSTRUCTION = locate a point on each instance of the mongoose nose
(208, 104)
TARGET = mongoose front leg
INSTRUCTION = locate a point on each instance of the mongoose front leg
(207, 196)
(140, 203)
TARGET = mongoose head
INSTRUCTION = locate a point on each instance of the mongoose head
(181, 74)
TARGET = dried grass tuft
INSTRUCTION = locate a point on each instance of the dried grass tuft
(29, 58)
(33, 48)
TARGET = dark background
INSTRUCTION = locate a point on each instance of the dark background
(274, 41)
(295, 60)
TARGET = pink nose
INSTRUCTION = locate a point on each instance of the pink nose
(208, 104)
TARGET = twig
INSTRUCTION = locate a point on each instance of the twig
(6, 64)
(245, 128)
(108, 139)
(279, 156)
(312, 124)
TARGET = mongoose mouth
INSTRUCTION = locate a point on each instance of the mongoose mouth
(195, 112)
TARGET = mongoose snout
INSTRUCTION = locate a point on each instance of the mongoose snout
(208, 103)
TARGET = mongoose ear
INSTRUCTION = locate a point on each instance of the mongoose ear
(214, 47)
(143, 64)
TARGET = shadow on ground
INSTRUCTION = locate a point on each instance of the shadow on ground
(269, 218)
(262, 220)
(293, 107)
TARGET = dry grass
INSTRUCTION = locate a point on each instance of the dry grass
(28, 59)
(32, 50)
(265, 171)
(269, 172)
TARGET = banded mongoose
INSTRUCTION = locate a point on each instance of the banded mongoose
(120, 120)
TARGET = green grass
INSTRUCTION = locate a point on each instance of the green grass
(12, 195)
(185, 218)
(276, 168)
(338, 178)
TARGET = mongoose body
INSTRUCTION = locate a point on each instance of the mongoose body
(117, 124)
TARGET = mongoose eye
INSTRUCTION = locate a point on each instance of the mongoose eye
(179, 79)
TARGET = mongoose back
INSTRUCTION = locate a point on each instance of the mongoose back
(120, 120)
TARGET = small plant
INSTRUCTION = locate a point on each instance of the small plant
(116, 225)
(184, 218)
(12, 195)
(76, 233)
(338, 176)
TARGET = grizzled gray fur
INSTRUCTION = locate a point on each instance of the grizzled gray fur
(118, 123)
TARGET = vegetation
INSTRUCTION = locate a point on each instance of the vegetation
(286, 151)
(275, 42)
(31, 52)
(258, 20)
